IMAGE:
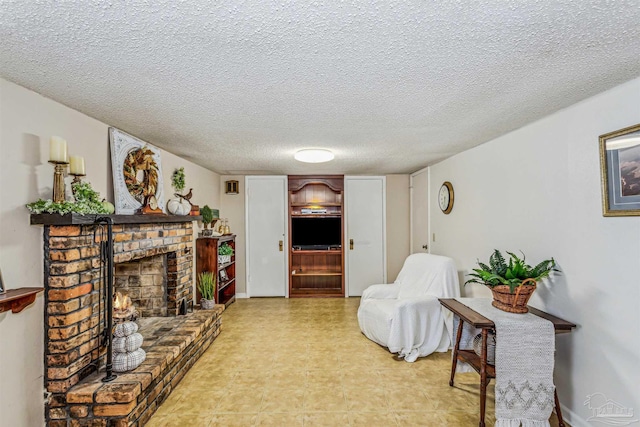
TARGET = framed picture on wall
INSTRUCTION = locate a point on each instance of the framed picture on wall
(620, 172)
(137, 172)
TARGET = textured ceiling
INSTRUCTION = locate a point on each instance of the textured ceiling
(389, 86)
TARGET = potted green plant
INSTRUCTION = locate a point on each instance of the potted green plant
(207, 219)
(512, 283)
(207, 288)
(225, 251)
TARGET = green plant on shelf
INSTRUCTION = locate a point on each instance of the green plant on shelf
(87, 201)
(207, 285)
(512, 274)
(225, 249)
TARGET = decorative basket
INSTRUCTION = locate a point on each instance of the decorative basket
(504, 300)
(224, 259)
(491, 347)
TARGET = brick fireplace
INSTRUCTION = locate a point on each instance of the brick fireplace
(154, 266)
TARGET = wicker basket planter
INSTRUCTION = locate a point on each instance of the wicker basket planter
(515, 302)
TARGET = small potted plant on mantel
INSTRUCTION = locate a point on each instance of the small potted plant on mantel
(207, 220)
(207, 287)
(513, 283)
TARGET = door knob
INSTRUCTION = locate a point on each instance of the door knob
(425, 247)
(351, 244)
(280, 245)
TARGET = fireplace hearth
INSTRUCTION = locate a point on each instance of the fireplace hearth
(154, 267)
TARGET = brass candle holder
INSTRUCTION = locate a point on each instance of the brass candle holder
(77, 177)
(58, 180)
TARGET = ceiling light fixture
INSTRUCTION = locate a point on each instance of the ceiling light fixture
(314, 155)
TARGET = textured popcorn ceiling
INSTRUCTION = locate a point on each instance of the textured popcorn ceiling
(389, 86)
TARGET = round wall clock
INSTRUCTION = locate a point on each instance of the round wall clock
(445, 197)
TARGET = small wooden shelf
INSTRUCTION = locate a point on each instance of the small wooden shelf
(317, 251)
(316, 292)
(327, 215)
(17, 300)
(207, 260)
(312, 205)
(227, 283)
(316, 273)
(225, 265)
(473, 359)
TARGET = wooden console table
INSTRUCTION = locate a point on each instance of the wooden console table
(479, 363)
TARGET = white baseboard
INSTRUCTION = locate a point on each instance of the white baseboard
(243, 295)
(573, 419)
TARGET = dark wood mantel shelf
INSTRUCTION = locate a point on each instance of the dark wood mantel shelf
(17, 299)
(77, 219)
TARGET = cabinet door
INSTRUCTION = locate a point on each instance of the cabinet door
(267, 241)
(366, 259)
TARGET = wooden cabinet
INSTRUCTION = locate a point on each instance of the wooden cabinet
(316, 272)
(207, 259)
(316, 262)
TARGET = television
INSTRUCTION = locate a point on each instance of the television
(316, 233)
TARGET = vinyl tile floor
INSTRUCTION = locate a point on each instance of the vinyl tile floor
(304, 362)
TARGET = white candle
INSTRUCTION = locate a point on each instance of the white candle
(57, 149)
(76, 165)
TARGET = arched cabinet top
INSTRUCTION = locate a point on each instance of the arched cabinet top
(334, 182)
(318, 191)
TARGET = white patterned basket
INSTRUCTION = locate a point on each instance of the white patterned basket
(127, 344)
(123, 362)
(224, 259)
(125, 329)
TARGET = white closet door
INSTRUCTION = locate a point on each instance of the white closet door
(420, 211)
(267, 241)
(366, 258)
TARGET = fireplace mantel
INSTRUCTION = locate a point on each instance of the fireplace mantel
(77, 219)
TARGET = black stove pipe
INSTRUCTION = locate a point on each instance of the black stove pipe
(110, 376)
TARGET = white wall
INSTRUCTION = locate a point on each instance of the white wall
(27, 121)
(537, 189)
(232, 208)
(397, 224)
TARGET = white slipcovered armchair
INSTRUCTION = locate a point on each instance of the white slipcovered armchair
(406, 316)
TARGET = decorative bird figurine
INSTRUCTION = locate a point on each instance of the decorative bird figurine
(186, 197)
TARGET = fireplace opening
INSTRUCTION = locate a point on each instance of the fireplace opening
(145, 282)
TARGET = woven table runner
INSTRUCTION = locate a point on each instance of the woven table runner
(525, 346)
